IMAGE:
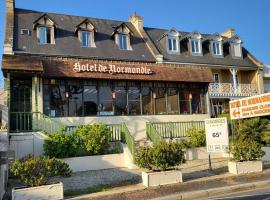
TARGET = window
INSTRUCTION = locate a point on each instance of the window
(173, 44)
(216, 48)
(147, 100)
(172, 101)
(90, 100)
(160, 100)
(105, 106)
(216, 78)
(195, 46)
(122, 41)
(120, 101)
(134, 99)
(45, 35)
(86, 38)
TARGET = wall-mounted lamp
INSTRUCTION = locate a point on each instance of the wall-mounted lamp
(154, 95)
(113, 95)
(67, 95)
(190, 96)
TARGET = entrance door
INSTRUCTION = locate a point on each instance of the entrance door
(20, 105)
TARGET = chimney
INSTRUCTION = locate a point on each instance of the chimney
(9, 27)
(229, 33)
(137, 21)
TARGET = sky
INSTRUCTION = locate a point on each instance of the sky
(250, 18)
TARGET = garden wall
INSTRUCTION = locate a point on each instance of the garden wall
(27, 143)
(86, 163)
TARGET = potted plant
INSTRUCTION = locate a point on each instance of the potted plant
(195, 145)
(35, 173)
(161, 161)
(246, 148)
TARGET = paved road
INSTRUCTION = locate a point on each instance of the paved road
(263, 194)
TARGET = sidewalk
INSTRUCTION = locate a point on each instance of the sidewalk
(191, 189)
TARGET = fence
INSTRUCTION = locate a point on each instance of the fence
(157, 131)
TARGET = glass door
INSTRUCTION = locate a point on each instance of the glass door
(20, 105)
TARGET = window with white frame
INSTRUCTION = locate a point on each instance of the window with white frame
(122, 41)
(195, 46)
(45, 35)
(86, 38)
(216, 45)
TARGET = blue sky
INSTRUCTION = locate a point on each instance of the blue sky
(250, 18)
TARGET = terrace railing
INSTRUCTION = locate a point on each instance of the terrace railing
(152, 133)
(33, 121)
(156, 131)
(128, 139)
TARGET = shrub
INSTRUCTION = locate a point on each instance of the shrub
(246, 150)
(247, 144)
(37, 171)
(197, 137)
(251, 129)
(95, 138)
(61, 145)
(161, 156)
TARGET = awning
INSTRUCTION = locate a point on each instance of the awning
(110, 70)
(124, 71)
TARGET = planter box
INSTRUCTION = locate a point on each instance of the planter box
(86, 163)
(151, 179)
(245, 167)
(201, 153)
(45, 192)
(266, 157)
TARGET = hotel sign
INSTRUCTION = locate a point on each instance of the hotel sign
(250, 107)
(110, 69)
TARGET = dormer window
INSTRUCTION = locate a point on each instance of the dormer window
(236, 47)
(122, 41)
(216, 45)
(172, 41)
(45, 29)
(86, 33)
(195, 43)
(122, 35)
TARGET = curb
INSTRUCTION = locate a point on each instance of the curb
(203, 194)
(192, 194)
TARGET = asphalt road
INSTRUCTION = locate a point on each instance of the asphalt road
(262, 194)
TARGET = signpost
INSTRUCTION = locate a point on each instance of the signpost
(250, 107)
(217, 137)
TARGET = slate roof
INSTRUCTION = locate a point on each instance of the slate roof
(185, 57)
(67, 43)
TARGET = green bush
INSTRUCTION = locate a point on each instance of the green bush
(160, 156)
(248, 140)
(251, 129)
(246, 150)
(61, 145)
(95, 138)
(37, 171)
(197, 137)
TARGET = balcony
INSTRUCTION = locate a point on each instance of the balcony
(228, 90)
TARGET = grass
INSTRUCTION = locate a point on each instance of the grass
(88, 190)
